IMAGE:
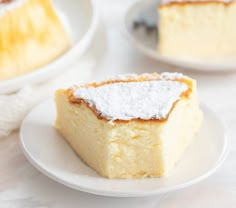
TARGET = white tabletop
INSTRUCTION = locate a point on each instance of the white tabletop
(22, 186)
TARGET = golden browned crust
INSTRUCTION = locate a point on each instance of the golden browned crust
(31, 36)
(197, 3)
(142, 78)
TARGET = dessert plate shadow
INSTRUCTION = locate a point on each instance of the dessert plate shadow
(50, 154)
(80, 20)
(140, 26)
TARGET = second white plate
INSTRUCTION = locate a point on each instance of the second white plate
(146, 40)
(80, 19)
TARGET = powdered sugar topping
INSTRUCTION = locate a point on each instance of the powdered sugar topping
(135, 76)
(164, 75)
(133, 100)
(172, 76)
(125, 76)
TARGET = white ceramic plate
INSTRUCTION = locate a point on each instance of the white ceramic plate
(80, 19)
(146, 42)
(48, 152)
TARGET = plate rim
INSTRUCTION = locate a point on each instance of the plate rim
(57, 65)
(189, 65)
(39, 166)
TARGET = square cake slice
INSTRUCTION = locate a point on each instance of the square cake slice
(132, 126)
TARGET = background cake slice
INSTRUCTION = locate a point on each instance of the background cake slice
(132, 126)
(197, 29)
(31, 35)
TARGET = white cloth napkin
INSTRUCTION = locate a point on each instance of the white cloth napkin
(14, 107)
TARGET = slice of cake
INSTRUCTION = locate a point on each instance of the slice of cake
(132, 126)
(31, 35)
(197, 29)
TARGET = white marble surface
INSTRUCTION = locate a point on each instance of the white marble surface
(22, 186)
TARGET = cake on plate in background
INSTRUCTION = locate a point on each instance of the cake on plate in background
(197, 28)
(131, 126)
(31, 35)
